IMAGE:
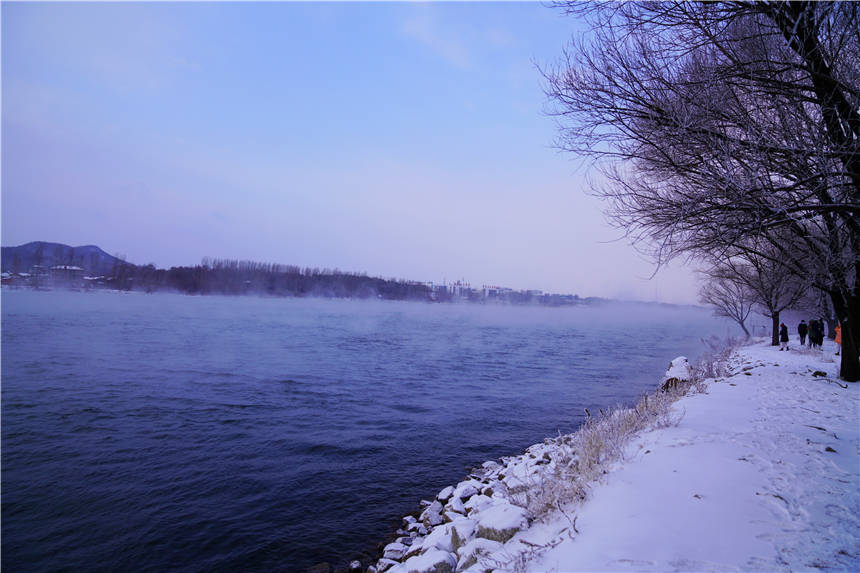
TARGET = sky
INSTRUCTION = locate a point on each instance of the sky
(403, 140)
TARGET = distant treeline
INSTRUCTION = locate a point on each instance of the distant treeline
(42, 265)
(232, 277)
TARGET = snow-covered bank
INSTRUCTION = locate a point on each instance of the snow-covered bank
(758, 473)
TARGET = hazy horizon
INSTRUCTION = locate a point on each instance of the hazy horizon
(397, 139)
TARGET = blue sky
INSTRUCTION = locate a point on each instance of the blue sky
(400, 139)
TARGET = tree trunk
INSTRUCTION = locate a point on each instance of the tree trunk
(849, 315)
(744, 328)
(775, 338)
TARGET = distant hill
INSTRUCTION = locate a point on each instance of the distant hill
(92, 259)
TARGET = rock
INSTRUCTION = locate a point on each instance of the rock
(385, 564)
(432, 516)
(445, 494)
(409, 519)
(456, 504)
(434, 561)
(501, 522)
(320, 568)
(355, 565)
(477, 502)
(416, 548)
(440, 538)
(679, 371)
(465, 490)
(490, 466)
(450, 516)
(513, 482)
(476, 548)
(462, 531)
(394, 551)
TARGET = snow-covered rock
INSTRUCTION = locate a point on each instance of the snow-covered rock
(462, 530)
(439, 538)
(445, 494)
(501, 521)
(432, 515)
(679, 371)
(433, 561)
(395, 550)
(471, 552)
(477, 502)
(456, 505)
(385, 564)
(466, 489)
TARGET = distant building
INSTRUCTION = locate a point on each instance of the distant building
(460, 289)
(67, 275)
(490, 292)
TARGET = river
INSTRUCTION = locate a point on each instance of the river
(179, 433)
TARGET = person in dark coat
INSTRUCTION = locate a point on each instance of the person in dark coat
(783, 336)
(801, 330)
(816, 333)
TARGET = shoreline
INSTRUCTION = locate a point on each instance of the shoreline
(555, 507)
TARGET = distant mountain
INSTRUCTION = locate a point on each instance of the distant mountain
(92, 259)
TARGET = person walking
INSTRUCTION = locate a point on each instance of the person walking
(783, 336)
(838, 339)
(802, 329)
(816, 334)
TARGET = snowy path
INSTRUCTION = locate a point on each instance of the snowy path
(761, 474)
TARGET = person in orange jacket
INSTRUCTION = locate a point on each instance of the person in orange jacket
(838, 338)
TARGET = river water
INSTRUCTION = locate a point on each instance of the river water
(178, 433)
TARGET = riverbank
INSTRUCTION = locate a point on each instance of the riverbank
(752, 470)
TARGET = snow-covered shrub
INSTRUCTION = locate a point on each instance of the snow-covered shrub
(581, 458)
(714, 362)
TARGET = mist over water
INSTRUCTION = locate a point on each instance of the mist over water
(177, 433)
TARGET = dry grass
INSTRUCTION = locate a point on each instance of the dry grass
(558, 483)
(582, 458)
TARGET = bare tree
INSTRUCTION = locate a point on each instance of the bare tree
(729, 298)
(766, 282)
(726, 129)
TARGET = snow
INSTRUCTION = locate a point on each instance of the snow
(476, 547)
(759, 473)
(503, 517)
(745, 482)
(465, 490)
(679, 369)
(429, 561)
